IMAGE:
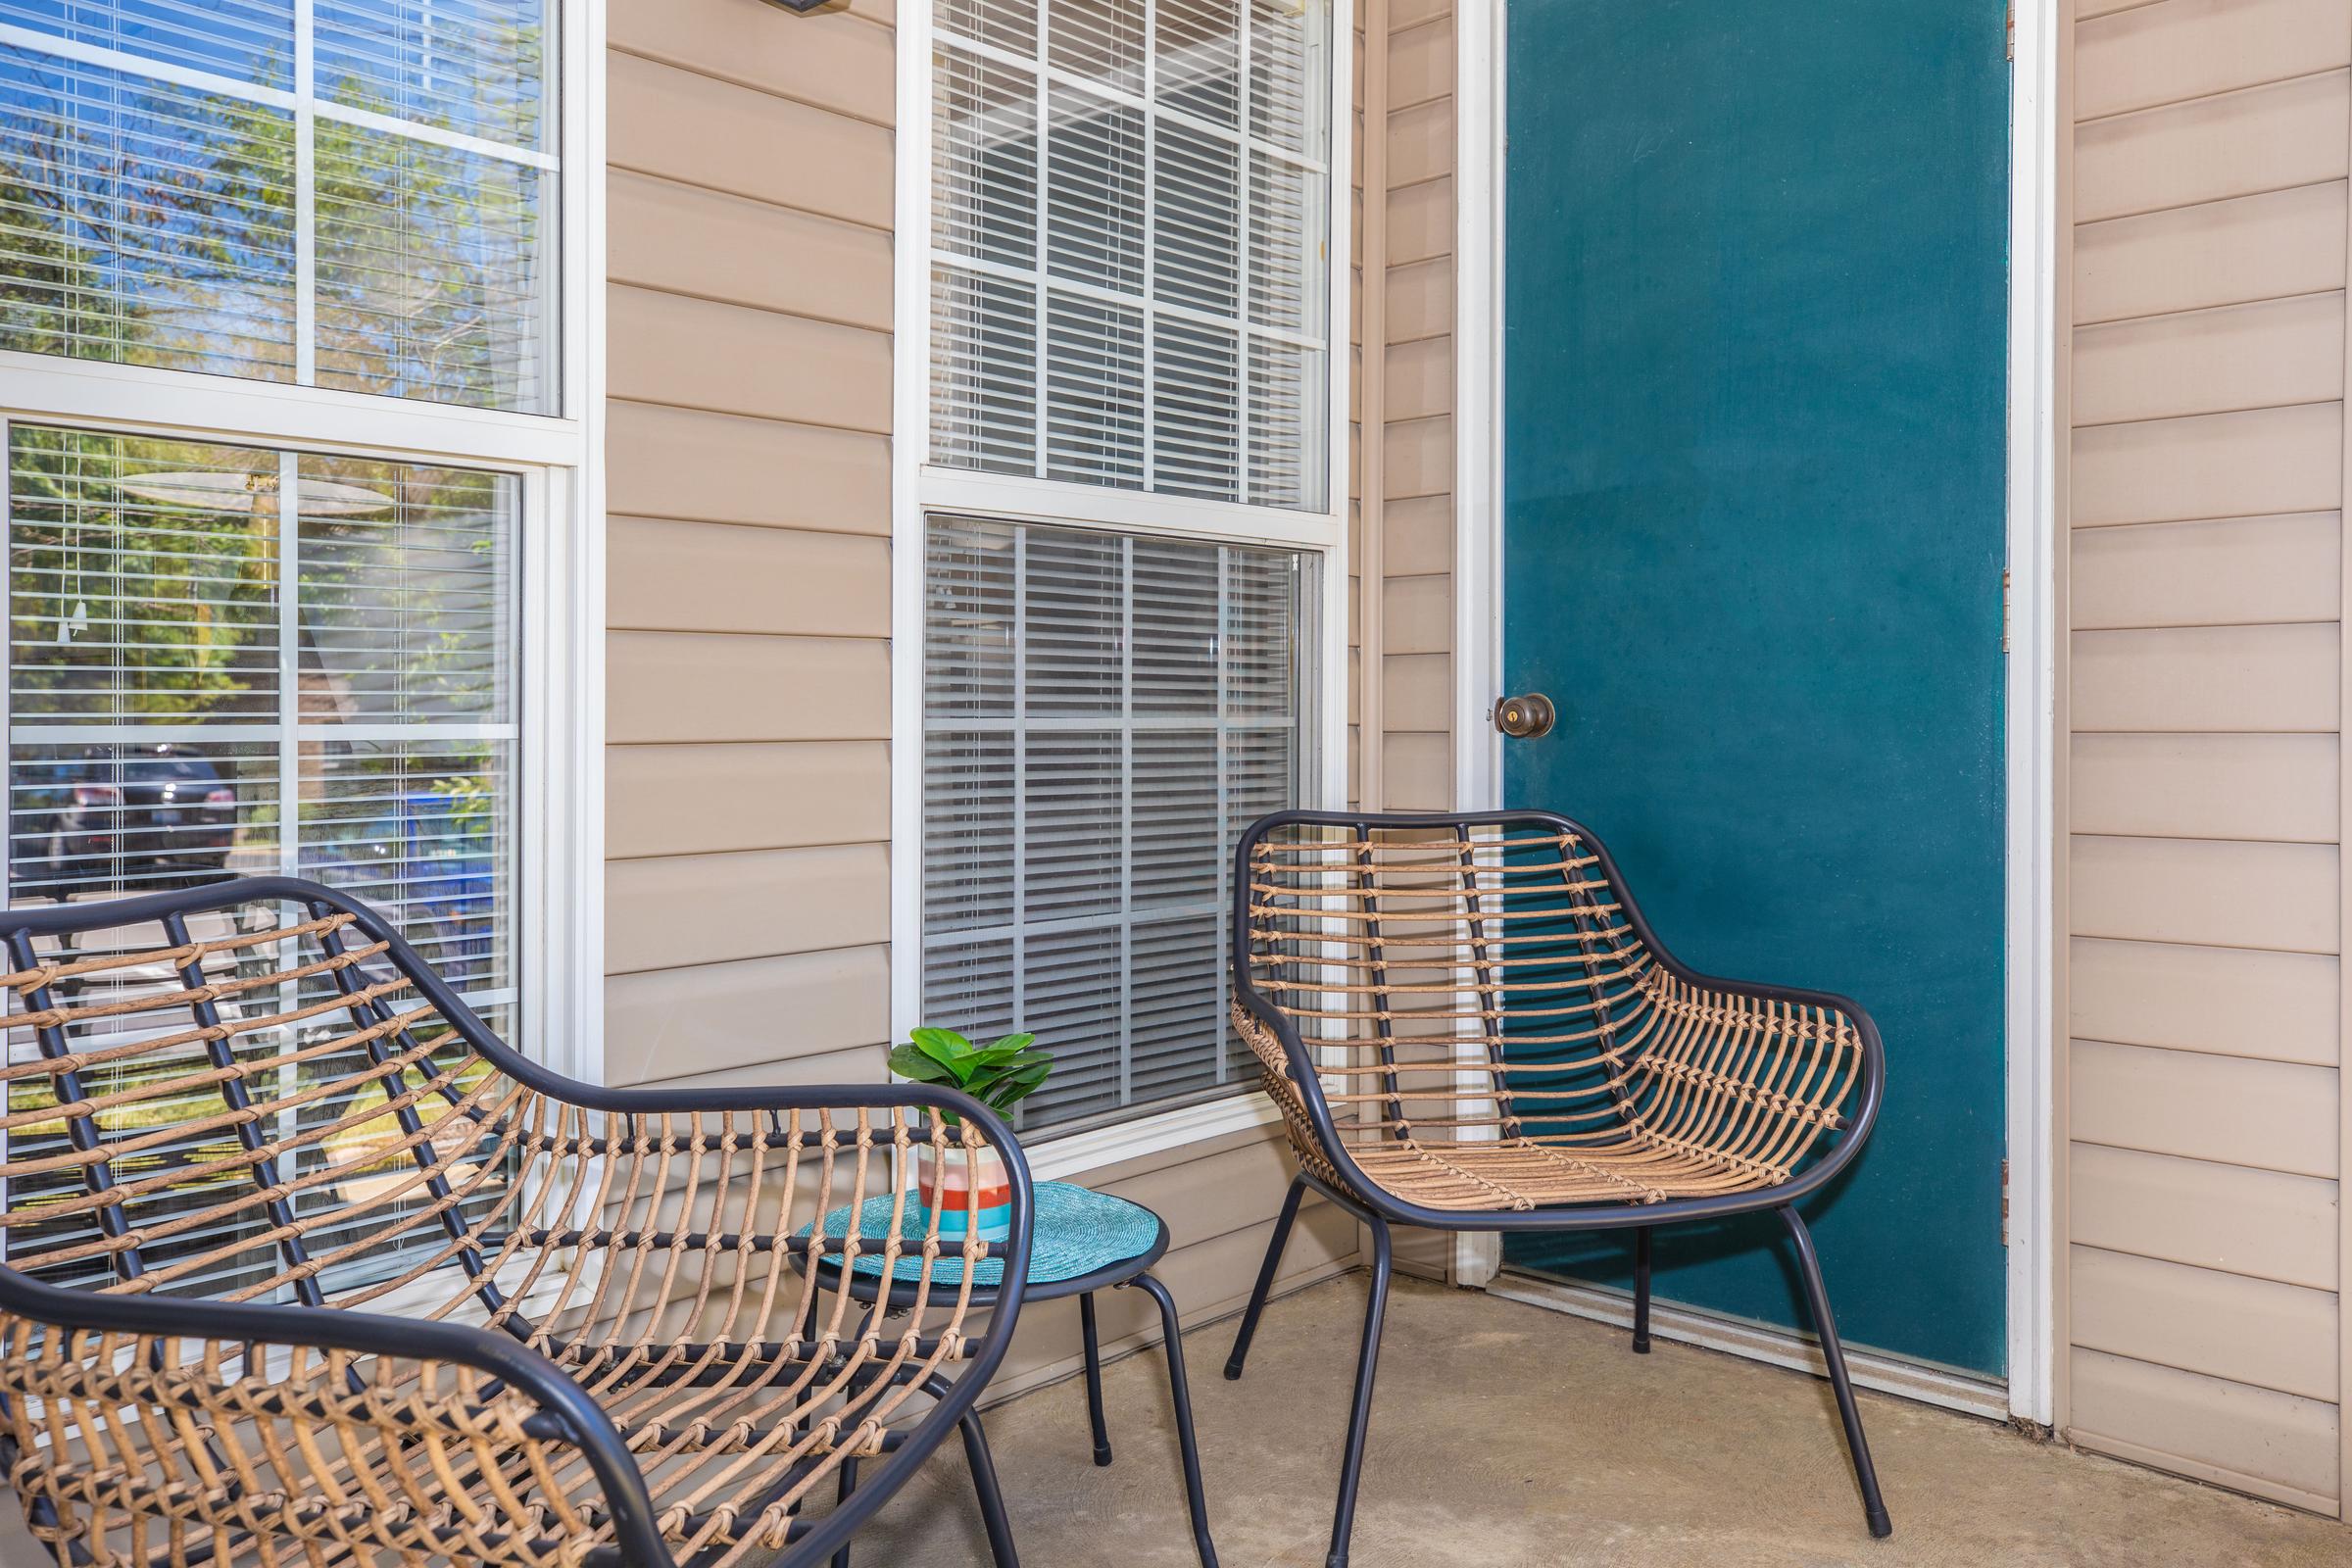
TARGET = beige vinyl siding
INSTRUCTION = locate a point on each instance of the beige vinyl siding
(751, 189)
(2204, 775)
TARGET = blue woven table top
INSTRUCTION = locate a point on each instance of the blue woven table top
(1076, 1232)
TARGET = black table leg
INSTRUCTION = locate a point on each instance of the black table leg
(1182, 1397)
(849, 1484)
(1094, 1378)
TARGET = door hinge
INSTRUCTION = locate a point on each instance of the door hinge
(2004, 1203)
(2009, 30)
(2004, 610)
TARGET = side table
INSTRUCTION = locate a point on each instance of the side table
(1082, 1242)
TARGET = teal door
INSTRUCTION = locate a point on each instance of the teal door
(1753, 540)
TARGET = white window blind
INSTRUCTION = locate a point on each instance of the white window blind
(1130, 218)
(352, 194)
(227, 659)
(1104, 714)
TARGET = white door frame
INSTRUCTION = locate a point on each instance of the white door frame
(2031, 689)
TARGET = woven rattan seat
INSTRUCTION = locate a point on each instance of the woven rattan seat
(303, 1266)
(1467, 1024)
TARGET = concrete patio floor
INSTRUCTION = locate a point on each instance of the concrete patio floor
(1506, 1435)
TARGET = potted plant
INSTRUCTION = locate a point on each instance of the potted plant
(961, 1181)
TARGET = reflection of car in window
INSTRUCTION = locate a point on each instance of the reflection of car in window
(118, 821)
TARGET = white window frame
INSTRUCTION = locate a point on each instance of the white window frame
(920, 489)
(559, 460)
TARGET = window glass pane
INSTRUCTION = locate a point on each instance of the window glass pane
(431, 276)
(154, 222)
(175, 715)
(143, 223)
(1143, 703)
(230, 660)
(477, 67)
(246, 40)
(1144, 301)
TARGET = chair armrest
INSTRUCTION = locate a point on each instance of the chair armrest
(430, 1389)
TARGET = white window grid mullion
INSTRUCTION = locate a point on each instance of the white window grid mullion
(1020, 780)
(993, 268)
(1043, 237)
(1245, 69)
(1110, 93)
(289, 663)
(306, 198)
(1149, 278)
(1126, 981)
(1217, 739)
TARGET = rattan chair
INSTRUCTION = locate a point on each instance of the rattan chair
(1468, 1026)
(304, 1266)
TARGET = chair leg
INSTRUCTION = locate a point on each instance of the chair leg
(847, 1485)
(1817, 1295)
(1094, 1378)
(1180, 1394)
(1351, 1463)
(1641, 1290)
(1265, 1279)
(992, 1499)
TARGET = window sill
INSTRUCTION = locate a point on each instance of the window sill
(1075, 1155)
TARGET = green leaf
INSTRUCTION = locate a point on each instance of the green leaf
(1017, 1085)
(1007, 1049)
(947, 1048)
(909, 1063)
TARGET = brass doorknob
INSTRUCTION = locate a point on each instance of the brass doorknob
(1523, 719)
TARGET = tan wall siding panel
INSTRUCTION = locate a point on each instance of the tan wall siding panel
(1420, 771)
(830, 65)
(716, 576)
(2259, 1332)
(1421, 221)
(2234, 571)
(1421, 143)
(2210, 362)
(2263, 138)
(2179, 49)
(1421, 299)
(724, 1017)
(2271, 1115)
(2210, 466)
(688, 353)
(674, 686)
(1417, 536)
(2281, 787)
(1418, 614)
(2278, 1007)
(2258, 1223)
(1420, 458)
(2280, 897)
(858, 1065)
(696, 800)
(688, 127)
(1420, 692)
(2206, 678)
(1420, 66)
(710, 908)
(2217, 253)
(687, 240)
(1420, 378)
(2284, 1446)
(718, 468)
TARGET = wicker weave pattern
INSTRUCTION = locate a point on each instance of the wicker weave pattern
(1492, 1032)
(263, 1106)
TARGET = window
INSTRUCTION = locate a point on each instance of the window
(1128, 244)
(351, 194)
(295, 476)
(1123, 519)
(1103, 715)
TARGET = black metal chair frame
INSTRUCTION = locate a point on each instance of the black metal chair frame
(569, 1414)
(1379, 1212)
(1127, 1272)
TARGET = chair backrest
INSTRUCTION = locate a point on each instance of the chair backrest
(244, 1093)
(1460, 979)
